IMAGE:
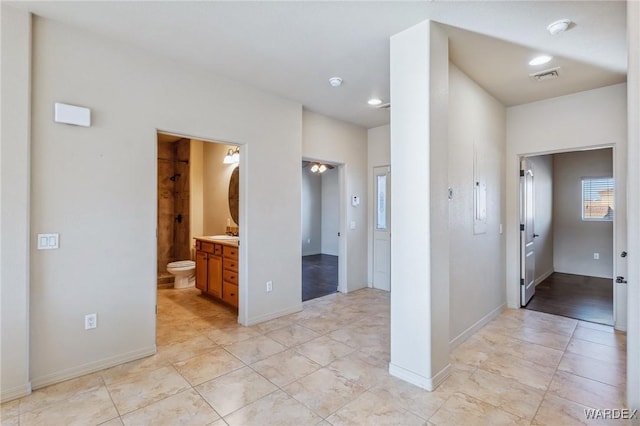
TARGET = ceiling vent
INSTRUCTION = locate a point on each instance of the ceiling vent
(384, 106)
(549, 74)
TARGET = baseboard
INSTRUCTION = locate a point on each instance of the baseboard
(14, 393)
(428, 383)
(273, 315)
(91, 367)
(543, 277)
(475, 327)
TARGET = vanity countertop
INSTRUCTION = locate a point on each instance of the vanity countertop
(220, 239)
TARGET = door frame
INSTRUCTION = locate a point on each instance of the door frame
(342, 239)
(242, 220)
(513, 233)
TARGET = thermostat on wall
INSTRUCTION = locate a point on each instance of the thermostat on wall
(71, 114)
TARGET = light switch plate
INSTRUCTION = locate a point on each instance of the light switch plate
(48, 241)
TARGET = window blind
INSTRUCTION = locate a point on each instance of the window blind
(597, 199)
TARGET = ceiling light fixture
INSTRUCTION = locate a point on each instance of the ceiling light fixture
(374, 102)
(233, 156)
(335, 81)
(558, 27)
(539, 60)
(317, 167)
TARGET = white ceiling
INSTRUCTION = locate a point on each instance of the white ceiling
(291, 48)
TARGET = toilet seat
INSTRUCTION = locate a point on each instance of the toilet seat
(182, 265)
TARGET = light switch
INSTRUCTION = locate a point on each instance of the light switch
(352, 225)
(48, 241)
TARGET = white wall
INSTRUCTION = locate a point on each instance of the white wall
(574, 240)
(542, 166)
(311, 212)
(476, 261)
(419, 69)
(594, 118)
(96, 187)
(14, 203)
(216, 189)
(337, 142)
(330, 212)
(633, 192)
(378, 154)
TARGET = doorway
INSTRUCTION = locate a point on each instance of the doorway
(320, 211)
(567, 218)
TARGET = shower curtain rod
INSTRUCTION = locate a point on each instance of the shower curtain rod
(174, 160)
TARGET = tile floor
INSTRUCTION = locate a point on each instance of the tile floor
(327, 365)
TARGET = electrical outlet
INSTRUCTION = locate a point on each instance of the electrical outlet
(596, 256)
(269, 286)
(90, 321)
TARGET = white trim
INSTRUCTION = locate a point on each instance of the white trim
(428, 383)
(91, 367)
(15, 393)
(273, 315)
(543, 276)
(462, 337)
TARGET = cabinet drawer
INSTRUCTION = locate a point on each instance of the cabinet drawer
(230, 252)
(217, 250)
(230, 294)
(230, 276)
(205, 246)
(230, 264)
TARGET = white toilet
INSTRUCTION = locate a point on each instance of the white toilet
(184, 272)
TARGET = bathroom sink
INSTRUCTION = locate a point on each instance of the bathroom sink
(224, 237)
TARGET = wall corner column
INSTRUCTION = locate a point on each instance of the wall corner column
(420, 249)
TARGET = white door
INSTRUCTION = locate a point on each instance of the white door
(527, 234)
(382, 228)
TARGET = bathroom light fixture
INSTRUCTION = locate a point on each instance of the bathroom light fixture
(335, 81)
(374, 101)
(317, 167)
(559, 26)
(233, 156)
(539, 60)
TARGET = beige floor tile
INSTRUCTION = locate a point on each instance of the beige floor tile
(89, 407)
(617, 339)
(473, 352)
(362, 337)
(508, 394)
(285, 367)
(113, 422)
(586, 391)
(611, 373)
(526, 372)
(461, 409)
(207, 366)
(324, 350)
(459, 374)
(10, 409)
(277, 408)
(559, 411)
(176, 333)
(271, 325)
(185, 408)
(123, 371)
(232, 391)
(10, 421)
(324, 391)
(233, 334)
(596, 351)
(255, 349)
(538, 354)
(292, 335)
(412, 398)
(60, 392)
(322, 325)
(543, 338)
(354, 368)
(552, 323)
(143, 389)
(369, 409)
(186, 349)
(596, 326)
(219, 422)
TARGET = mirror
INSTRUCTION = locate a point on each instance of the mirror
(234, 194)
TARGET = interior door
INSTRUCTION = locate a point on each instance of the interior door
(527, 234)
(382, 228)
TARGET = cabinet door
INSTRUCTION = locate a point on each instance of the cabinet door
(214, 279)
(201, 270)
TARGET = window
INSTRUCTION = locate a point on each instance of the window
(597, 199)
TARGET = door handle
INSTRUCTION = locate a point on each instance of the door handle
(620, 280)
(536, 235)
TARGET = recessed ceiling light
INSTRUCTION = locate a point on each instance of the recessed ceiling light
(539, 60)
(374, 101)
(558, 27)
(335, 81)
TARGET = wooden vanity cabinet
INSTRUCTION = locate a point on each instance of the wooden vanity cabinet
(217, 271)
